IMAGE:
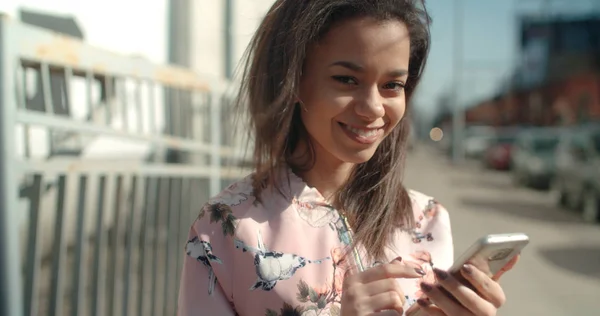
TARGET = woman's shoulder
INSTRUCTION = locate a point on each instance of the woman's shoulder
(236, 205)
(237, 195)
(432, 234)
(222, 210)
(424, 204)
(431, 217)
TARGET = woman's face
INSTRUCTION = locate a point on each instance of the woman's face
(352, 88)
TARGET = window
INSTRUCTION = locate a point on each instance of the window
(544, 144)
(575, 38)
(596, 141)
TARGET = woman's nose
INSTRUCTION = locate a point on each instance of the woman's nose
(370, 104)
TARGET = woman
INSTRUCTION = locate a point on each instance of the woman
(325, 213)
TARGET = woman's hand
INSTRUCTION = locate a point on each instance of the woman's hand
(449, 297)
(376, 290)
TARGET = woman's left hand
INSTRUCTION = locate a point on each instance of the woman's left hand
(449, 297)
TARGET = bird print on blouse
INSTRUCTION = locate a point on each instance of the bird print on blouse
(202, 251)
(253, 262)
(273, 266)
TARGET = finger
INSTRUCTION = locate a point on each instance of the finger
(509, 265)
(443, 301)
(462, 294)
(388, 271)
(386, 313)
(417, 309)
(487, 288)
(381, 286)
(428, 309)
(384, 301)
(351, 275)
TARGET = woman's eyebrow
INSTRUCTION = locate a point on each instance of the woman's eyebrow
(358, 68)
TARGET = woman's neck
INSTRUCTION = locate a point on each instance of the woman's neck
(326, 175)
(327, 179)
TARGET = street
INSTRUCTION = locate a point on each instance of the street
(559, 272)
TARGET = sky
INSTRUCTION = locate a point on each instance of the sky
(490, 50)
(109, 24)
(489, 36)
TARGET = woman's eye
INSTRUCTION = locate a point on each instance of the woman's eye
(345, 79)
(394, 86)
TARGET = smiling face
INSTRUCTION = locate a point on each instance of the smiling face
(352, 88)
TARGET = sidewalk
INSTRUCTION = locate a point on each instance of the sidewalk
(559, 272)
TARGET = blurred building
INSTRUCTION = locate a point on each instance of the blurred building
(557, 81)
(210, 37)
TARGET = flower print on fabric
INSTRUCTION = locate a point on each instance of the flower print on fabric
(315, 214)
(325, 299)
(202, 252)
(273, 266)
(221, 213)
(340, 266)
(289, 310)
(318, 300)
(430, 210)
(286, 310)
(235, 194)
(418, 237)
(344, 235)
(428, 213)
(221, 205)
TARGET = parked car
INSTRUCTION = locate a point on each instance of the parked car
(498, 155)
(477, 139)
(576, 184)
(532, 157)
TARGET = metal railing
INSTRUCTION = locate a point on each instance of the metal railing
(102, 171)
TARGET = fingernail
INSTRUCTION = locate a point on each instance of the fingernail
(440, 274)
(423, 302)
(399, 259)
(420, 271)
(467, 268)
(426, 287)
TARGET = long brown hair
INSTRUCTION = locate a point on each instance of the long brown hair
(374, 198)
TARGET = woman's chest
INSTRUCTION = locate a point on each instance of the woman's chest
(288, 269)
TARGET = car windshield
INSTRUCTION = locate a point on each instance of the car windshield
(506, 139)
(544, 144)
(596, 141)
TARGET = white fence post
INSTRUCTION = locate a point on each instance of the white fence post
(11, 291)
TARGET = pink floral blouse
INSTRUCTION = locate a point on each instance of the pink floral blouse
(282, 257)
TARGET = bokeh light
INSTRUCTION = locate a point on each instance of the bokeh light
(436, 134)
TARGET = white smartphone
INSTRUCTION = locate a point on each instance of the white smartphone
(491, 252)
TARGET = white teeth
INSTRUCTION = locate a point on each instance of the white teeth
(361, 132)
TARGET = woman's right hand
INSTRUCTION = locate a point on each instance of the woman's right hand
(376, 291)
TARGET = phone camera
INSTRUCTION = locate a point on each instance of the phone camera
(500, 254)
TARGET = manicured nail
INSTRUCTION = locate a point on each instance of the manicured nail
(467, 268)
(440, 274)
(426, 287)
(423, 302)
(420, 271)
(399, 259)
